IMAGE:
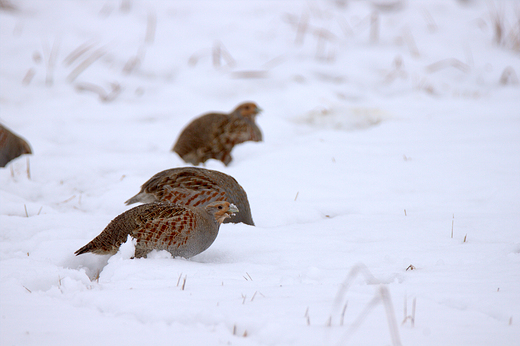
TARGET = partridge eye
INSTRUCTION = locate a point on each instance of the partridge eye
(220, 207)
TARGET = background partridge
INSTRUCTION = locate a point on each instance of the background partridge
(181, 230)
(213, 135)
(11, 146)
(195, 186)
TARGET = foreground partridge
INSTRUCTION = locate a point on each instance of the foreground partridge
(213, 135)
(11, 146)
(181, 230)
(195, 186)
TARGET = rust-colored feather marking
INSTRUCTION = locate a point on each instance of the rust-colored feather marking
(11, 146)
(213, 135)
(194, 186)
(181, 230)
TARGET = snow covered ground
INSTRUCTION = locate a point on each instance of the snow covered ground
(385, 193)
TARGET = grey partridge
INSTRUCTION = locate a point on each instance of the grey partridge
(195, 186)
(181, 230)
(213, 135)
(11, 146)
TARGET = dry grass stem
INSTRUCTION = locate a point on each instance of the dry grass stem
(508, 76)
(28, 290)
(342, 318)
(249, 74)
(450, 62)
(410, 42)
(345, 27)
(51, 63)
(296, 197)
(28, 76)
(103, 95)
(301, 29)
(179, 279)
(405, 212)
(151, 25)
(497, 20)
(26, 213)
(97, 54)
(382, 295)
(430, 22)
(410, 317)
(28, 162)
(374, 27)
(78, 52)
(184, 282)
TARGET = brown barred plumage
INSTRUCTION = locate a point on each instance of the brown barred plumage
(11, 146)
(213, 135)
(195, 186)
(181, 230)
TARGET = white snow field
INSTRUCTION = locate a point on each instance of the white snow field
(386, 192)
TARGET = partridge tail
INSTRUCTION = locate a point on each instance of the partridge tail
(87, 248)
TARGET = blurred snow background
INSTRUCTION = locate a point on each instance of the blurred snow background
(385, 194)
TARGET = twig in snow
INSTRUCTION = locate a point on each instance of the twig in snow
(249, 276)
(28, 290)
(179, 279)
(296, 196)
(26, 213)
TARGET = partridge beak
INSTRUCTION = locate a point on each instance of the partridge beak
(259, 110)
(233, 209)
